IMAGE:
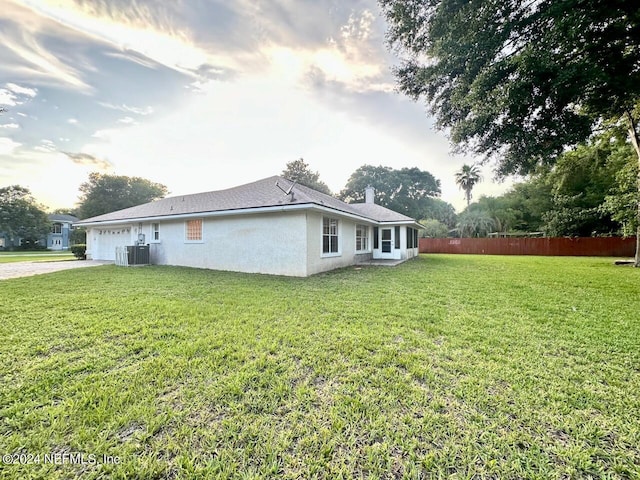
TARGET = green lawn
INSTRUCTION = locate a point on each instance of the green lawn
(444, 367)
(43, 256)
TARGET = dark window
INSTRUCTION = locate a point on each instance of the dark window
(412, 237)
(375, 237)
(386, 240)
(397, 239)
(56, 228)
(329, 235)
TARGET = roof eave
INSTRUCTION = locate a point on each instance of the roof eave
(245, 211)
(182, 216)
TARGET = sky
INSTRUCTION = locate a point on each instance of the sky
(202, 95)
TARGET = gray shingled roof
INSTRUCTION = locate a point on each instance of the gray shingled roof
(379, 213)
(262, 193)
(60, 217)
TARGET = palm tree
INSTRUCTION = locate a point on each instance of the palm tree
(467, 178)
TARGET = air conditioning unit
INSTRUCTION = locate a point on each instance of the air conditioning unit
(138, 254)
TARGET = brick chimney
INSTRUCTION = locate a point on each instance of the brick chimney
(369, 195)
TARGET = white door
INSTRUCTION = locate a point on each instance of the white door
(386, 243)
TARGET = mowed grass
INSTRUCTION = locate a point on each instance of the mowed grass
(443, 367)
(44, 256)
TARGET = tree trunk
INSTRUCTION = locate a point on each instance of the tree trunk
(635, 141)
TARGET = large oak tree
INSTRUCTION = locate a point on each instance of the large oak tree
(104, 193)
(520, 81)
(21, 216)
(406, 190)
(299, 171)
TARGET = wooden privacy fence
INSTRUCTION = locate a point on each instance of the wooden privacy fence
(557, 246)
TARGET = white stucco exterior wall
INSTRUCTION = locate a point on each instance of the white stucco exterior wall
(266, 243)
(317, 261)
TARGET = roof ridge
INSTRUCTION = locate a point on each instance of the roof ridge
(265, 192)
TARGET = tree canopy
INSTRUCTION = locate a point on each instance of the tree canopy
(518, 80)
(21, 216)
(433, 229)
(438, 209)
(580, 182)
(104, 193)
(299, 171)
(406, 190)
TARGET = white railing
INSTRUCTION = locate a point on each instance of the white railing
(122, 257)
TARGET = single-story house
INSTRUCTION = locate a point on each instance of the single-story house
(272, 226)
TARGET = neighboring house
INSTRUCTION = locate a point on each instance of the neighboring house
(61, 227)
(270, 226)
(57, 239)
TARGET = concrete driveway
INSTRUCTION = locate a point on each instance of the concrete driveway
(27, 269)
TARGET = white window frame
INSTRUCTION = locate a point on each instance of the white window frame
(367, 248)
(186, 229)
(337, 235)
(155, 231)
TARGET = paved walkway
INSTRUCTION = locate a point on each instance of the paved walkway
(27, 269)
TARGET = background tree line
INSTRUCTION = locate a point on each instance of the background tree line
(591, 190)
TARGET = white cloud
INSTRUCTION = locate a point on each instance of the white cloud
(358, 27)
(40, 148)
(8, 146)
(128, 109)
(46, 146)
(127, 121)
(72, 121)
(39, 64)
(103, 134)
(14, 94)
(328, 64)
(7, 98)
(30, 92)
(135, 29)
(10, 125)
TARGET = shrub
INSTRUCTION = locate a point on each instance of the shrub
(29, 244)
(80, 251)
(434, 229)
